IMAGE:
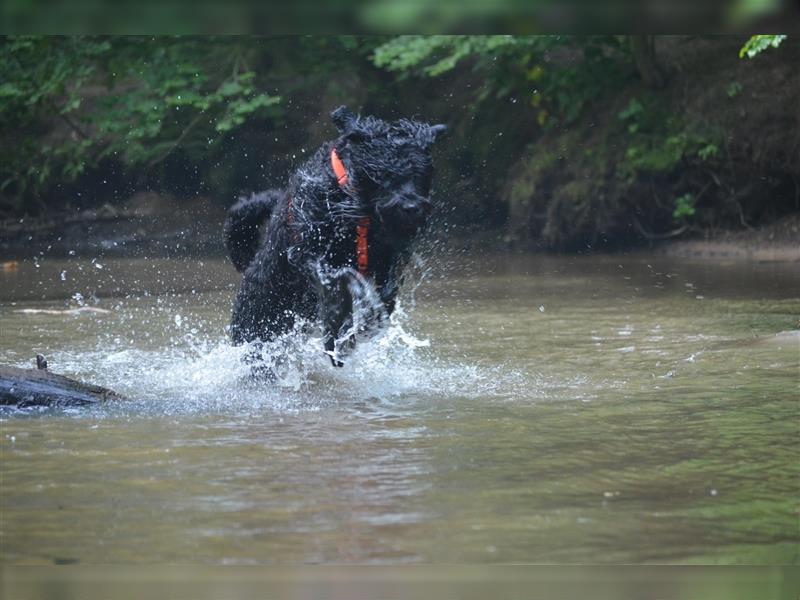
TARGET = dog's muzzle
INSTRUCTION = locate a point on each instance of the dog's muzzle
(405, 213)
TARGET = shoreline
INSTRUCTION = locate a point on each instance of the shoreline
(715, 250)
(120, 235)
(776, 242)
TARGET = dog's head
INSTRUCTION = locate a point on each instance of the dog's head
(389, 168)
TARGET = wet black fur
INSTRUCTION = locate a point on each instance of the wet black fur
(245, 224)
(297, 247)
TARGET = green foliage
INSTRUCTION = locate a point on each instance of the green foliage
(684, 206)
(133, 98)
(632, 113)
(43, 81)
(186, 93)
(658, 141)
(758, 43)
(434, 55)
(518, 66)
(656, 154)
(708, 151)
(733, 89)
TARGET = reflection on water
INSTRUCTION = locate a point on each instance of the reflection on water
(518, 409)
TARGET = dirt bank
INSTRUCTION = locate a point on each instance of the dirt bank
(147, 224)
(717, 147)
(129, 232)
(779, 241)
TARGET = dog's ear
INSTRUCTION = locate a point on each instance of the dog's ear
(437, 131)
(343, 118)
(425, 134)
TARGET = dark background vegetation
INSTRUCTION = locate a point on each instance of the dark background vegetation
(556, 142)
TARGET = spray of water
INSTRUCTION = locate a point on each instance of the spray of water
(195, 368)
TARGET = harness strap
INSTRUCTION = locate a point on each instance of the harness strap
(362, 245)
(362, 228)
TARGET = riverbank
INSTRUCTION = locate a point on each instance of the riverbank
(146, 225)
(152, 227)
(611, 142)
(776, 242)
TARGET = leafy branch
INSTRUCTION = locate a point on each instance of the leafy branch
(758, 43)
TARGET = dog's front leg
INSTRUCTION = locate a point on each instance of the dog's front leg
(335, 302)
(336, 307)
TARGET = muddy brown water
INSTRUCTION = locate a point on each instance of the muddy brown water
(519, 409)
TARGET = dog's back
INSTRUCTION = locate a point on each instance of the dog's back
(244, 226)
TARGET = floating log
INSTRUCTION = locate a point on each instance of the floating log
(39, 387)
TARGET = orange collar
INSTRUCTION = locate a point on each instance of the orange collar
(362, 229)
(338, 168)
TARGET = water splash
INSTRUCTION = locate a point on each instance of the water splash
(207, 375)
(169, 355)
(195, 368)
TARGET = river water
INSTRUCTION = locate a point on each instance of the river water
(518, 409)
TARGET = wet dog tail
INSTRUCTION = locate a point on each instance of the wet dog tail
(245, 225)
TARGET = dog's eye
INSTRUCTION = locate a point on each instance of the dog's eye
(423, 184)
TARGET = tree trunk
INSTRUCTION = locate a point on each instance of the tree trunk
(644, 55)
(39, 387)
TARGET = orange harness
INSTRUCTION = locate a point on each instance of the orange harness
(362, 228)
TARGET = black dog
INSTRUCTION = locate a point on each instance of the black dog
(332, 246)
